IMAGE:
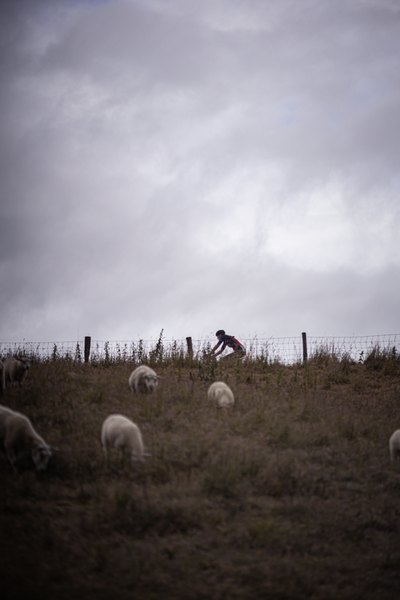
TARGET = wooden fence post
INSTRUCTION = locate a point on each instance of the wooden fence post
(87, 348)
(304, 335)
(189, 346)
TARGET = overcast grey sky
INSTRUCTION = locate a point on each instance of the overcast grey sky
(199, 164)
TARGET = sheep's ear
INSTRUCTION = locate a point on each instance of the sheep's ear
(158, 377)
(55, 448)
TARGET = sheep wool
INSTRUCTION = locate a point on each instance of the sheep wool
(15, 371)
(394, 444)
(221, 394)
(121, 433)
(18, 435)
(143, 379)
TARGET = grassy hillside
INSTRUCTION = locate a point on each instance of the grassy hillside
(290, 495)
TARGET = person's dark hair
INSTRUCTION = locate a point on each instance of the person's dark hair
(220, 332)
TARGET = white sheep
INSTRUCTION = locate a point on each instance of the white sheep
(121, 433)
(15, 370)
(221, 394)
(394, 444)
(18, 435)
(143, 379)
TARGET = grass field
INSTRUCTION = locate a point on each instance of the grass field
(289, 495)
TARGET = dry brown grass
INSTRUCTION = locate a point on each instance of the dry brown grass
(290, 495)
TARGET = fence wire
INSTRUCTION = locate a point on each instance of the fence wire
(287, 350)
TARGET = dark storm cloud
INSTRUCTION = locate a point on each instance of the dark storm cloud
(175, 165)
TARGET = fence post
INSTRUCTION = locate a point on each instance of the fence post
(304, 336)
(189, 346)
(87, 348)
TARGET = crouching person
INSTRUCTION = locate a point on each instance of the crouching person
(229, 341)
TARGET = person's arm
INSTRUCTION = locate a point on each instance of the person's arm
(222, 349)
(216, 346)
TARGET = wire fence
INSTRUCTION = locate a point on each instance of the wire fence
(287, 350)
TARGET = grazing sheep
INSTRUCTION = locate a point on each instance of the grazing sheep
(143, 379)
(221, 394)
(18, 435)
(124, 435)
(15, 371)
(394, 444)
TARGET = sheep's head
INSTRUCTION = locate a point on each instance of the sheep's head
(139, 457)
(151, 382)
(41, 455)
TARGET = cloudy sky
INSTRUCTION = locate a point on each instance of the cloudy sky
(190, 165)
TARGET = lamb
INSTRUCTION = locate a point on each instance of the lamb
(15, 370)
(143, 379)
(121, 433)
(221, 394)
(18, 435)
(394, 444)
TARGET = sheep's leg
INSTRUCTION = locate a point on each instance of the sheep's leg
(12, 457)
